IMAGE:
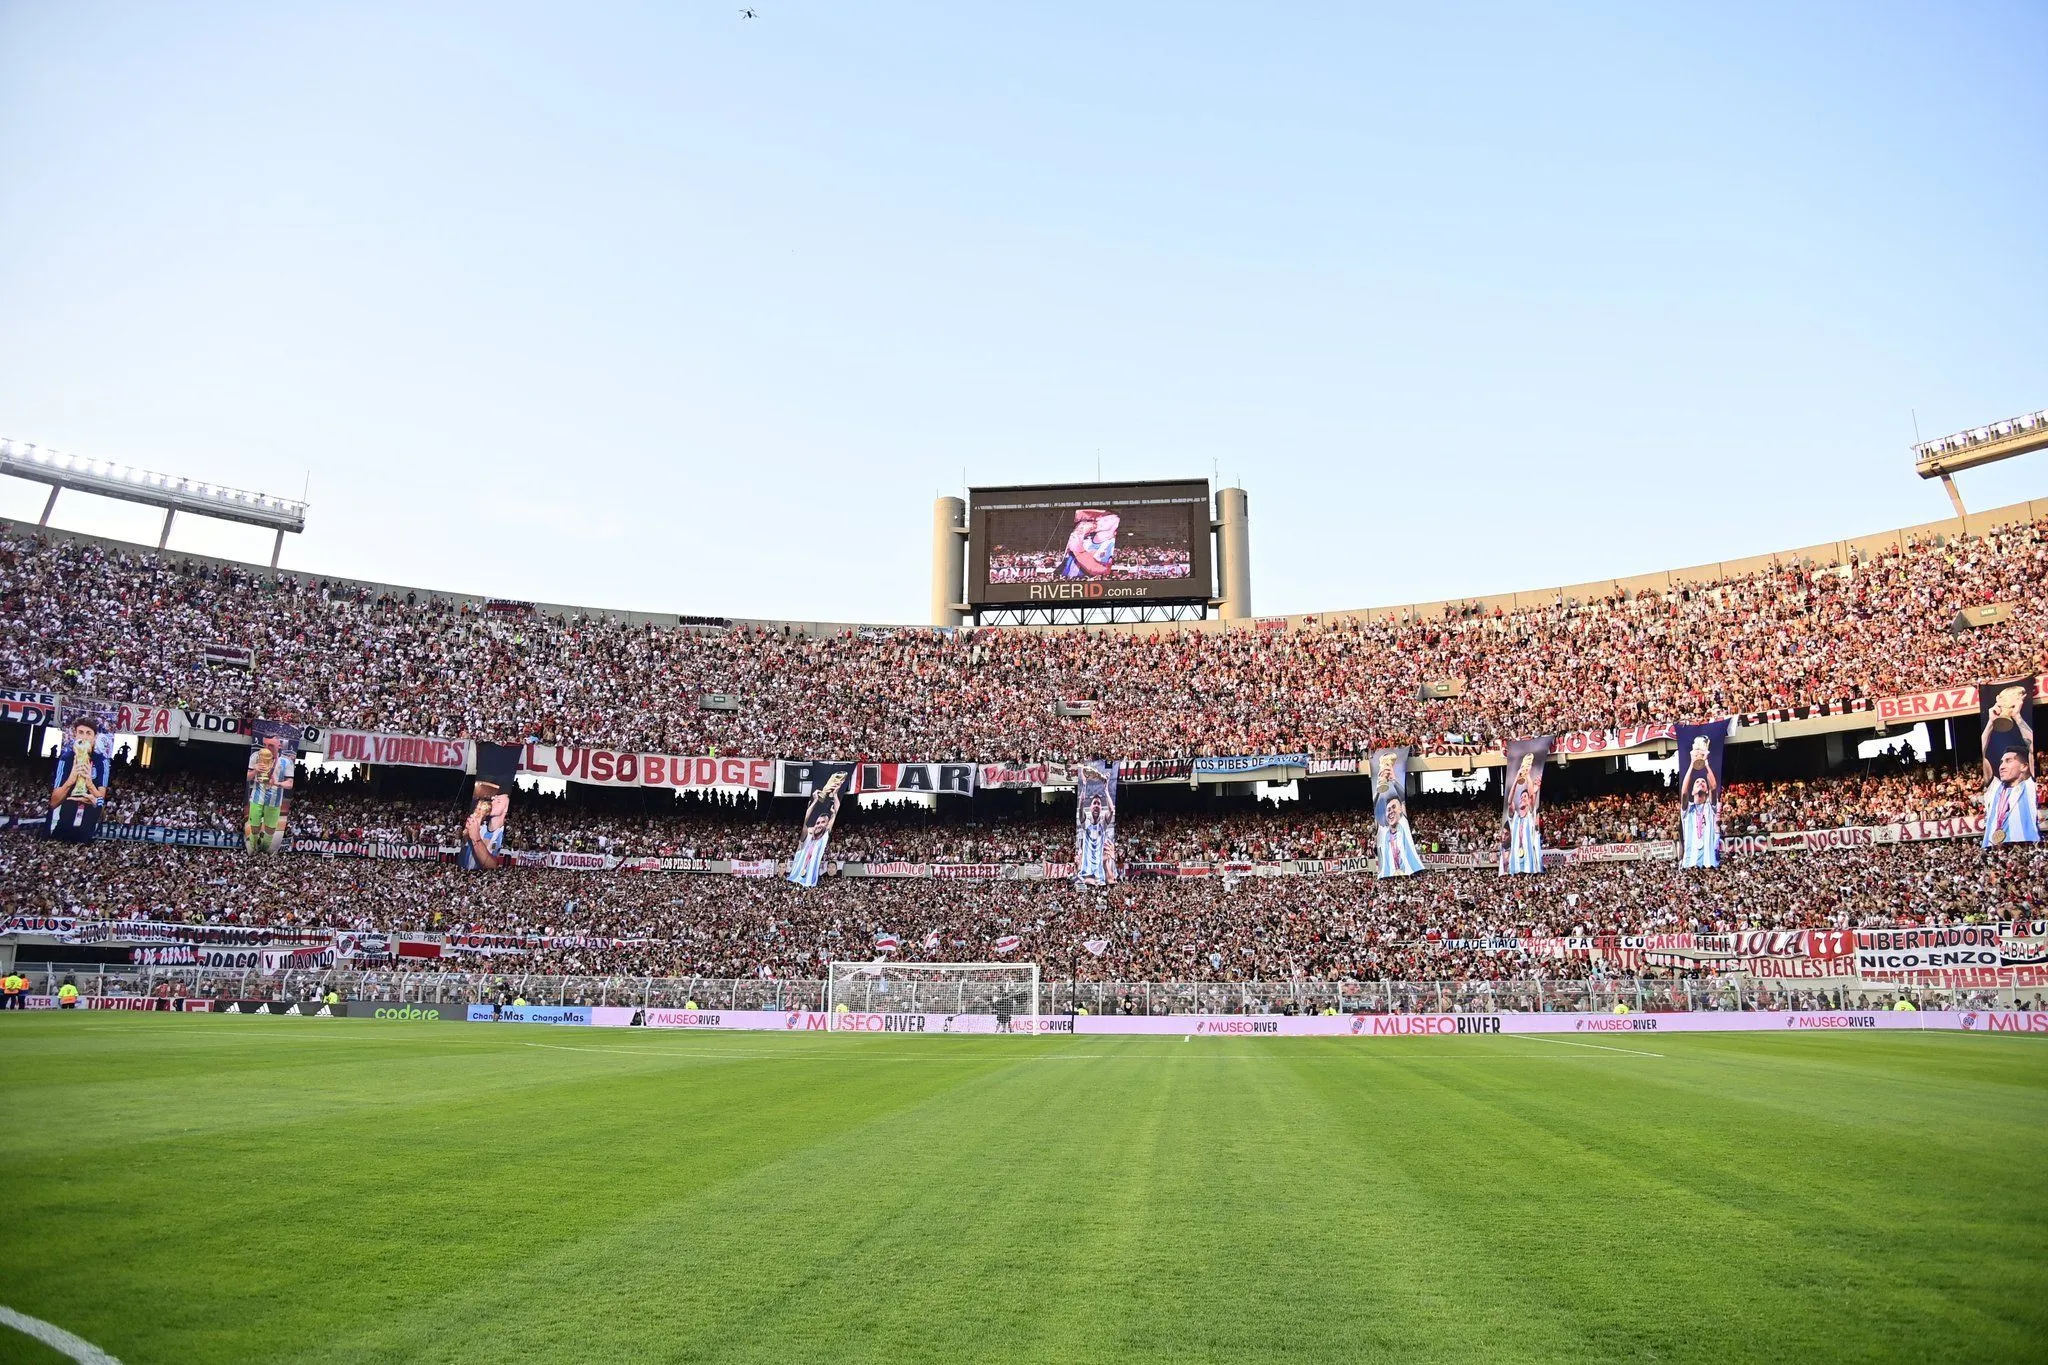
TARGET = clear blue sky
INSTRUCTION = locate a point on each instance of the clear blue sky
(653, 306)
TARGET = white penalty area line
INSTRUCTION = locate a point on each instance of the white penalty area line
(1597, 1047)
(775, 1054)
(56, 1338)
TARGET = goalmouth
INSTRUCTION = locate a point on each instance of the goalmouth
(882, 987)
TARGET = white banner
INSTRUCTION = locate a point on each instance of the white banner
(950, 779)
(136, 718)
(1900, 952)
(993, 775)
(719, 1019)
(405, 751)
(613, 768)
(1624, 1031)
(208, 726)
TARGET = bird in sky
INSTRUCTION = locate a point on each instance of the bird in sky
(748, 14)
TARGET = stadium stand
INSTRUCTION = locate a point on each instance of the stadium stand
(1760, 638)
(124, 622)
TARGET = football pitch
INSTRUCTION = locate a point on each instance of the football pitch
(204, 1188)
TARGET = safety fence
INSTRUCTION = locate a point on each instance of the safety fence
(1304, 997)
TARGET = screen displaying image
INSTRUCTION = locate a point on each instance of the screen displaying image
(1131, 541)
(1115, 544)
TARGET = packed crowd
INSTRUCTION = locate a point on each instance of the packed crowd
(1212, 928)
(1234, 831)
(89, 620)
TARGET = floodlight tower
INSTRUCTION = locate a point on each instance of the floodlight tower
(25, 460)
(1948, 455)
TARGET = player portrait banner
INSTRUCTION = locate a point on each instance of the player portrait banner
(1701, 749)
(273, 766)
(85, 769)
(1398, 857)
(2007, 712)
(490, 807)
(939, 779)
(1095, 823)
(1521, 839)
(830, 784)
(615, 768)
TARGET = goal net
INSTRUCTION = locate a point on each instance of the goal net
(994, 988)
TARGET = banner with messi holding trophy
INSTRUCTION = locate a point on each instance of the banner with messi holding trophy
(1701, 752)
(1521, 836)
(1095, 823)
(2007, 712)
(1398, 857)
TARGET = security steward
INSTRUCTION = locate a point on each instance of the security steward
(67, 996)
(13, 991)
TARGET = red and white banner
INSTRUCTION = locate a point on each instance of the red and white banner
(1611, 741)
(612, 768)
(135, 718)
(405, 751)
(1938, 704)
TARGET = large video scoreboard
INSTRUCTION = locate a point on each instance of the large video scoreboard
(1089, 544)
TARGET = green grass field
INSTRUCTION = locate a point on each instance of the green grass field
(195, 1188)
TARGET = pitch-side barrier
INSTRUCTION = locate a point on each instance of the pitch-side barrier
(1187, 1025)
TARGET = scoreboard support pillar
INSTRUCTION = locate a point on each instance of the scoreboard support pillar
(949, 562)
(1233, 554)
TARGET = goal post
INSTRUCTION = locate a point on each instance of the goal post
(885, 987)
